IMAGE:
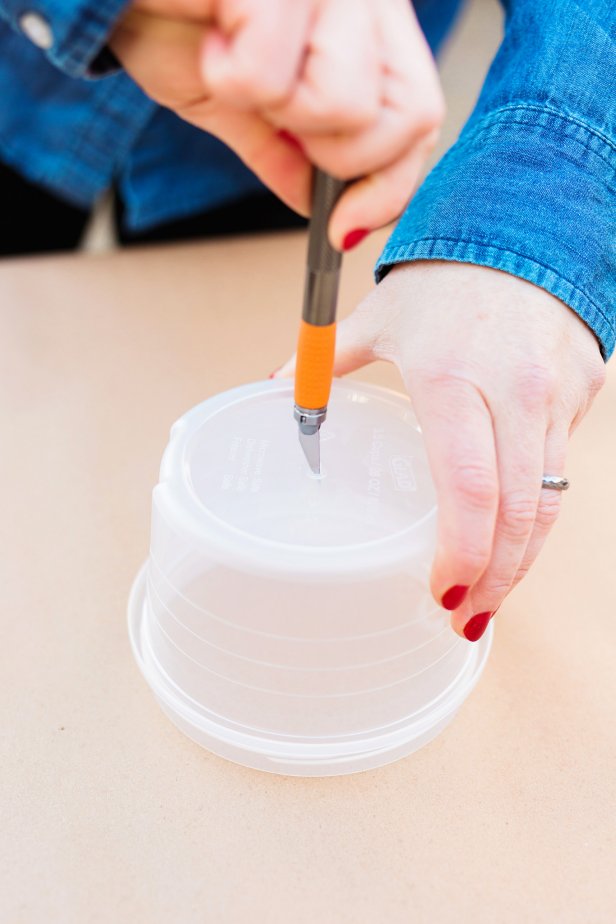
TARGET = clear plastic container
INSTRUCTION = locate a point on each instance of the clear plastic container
(284, 620)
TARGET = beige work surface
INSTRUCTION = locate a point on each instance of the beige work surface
(108, 814)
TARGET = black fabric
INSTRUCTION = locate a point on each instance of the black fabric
(263, 212)
(34, 221)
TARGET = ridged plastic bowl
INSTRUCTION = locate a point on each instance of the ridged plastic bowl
(283, 620)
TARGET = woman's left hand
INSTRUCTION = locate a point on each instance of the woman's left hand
(500, 373)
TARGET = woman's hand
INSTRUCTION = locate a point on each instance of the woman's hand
(500, 373)
(348, 85)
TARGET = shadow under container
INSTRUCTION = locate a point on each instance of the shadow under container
(283, 620)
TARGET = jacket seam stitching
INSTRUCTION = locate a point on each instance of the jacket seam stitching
(493, 120)
(546, 110)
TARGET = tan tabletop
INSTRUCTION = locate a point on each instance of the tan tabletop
(109, 814)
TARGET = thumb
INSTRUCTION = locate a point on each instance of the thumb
(356, 339)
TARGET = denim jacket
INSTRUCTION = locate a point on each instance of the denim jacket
(527, 188)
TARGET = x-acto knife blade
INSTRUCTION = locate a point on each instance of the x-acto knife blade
(317, 336)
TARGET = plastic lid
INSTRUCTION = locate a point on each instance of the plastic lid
(234, 466)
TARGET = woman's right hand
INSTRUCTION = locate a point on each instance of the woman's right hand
(352, 81)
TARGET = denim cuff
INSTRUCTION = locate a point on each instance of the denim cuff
(527, 190)
(78, 31)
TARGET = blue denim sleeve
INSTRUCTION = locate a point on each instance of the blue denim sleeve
(75, 30)
(528, 187)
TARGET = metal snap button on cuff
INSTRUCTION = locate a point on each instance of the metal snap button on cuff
(37, 29)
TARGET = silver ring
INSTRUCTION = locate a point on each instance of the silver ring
(554, 483)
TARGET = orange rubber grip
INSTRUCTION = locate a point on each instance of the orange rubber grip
(314, 366)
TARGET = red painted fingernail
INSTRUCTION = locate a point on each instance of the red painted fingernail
(476, 626)
(290, 139)
(452, 598)
(353, 238)
(272, 374)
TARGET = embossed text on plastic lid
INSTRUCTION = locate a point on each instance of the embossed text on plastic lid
(234, 476)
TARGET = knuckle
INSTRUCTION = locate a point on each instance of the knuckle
(548, 510)
(345, 114)
(497, 586)
(476, 484)
(430, 141)
(429, 115)
(522, 571)
(392, 197)
(596, 378)
(356, 118)
(271, 97)
(536, 386)
(337, 159)
(517, 515)
(444, 378)
(267, 93)
(251, 83)
(473, 558)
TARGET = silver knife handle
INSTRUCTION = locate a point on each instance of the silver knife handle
(323, 269)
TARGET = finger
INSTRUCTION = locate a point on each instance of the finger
(161, 55)
(244, 63)
(549, 500)
(283, 167)
(377, 199)
(339, 85)
(411, 104)
(397, 130)
(520, 440)
(390, 154)
(188, 10)
(459, 440)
